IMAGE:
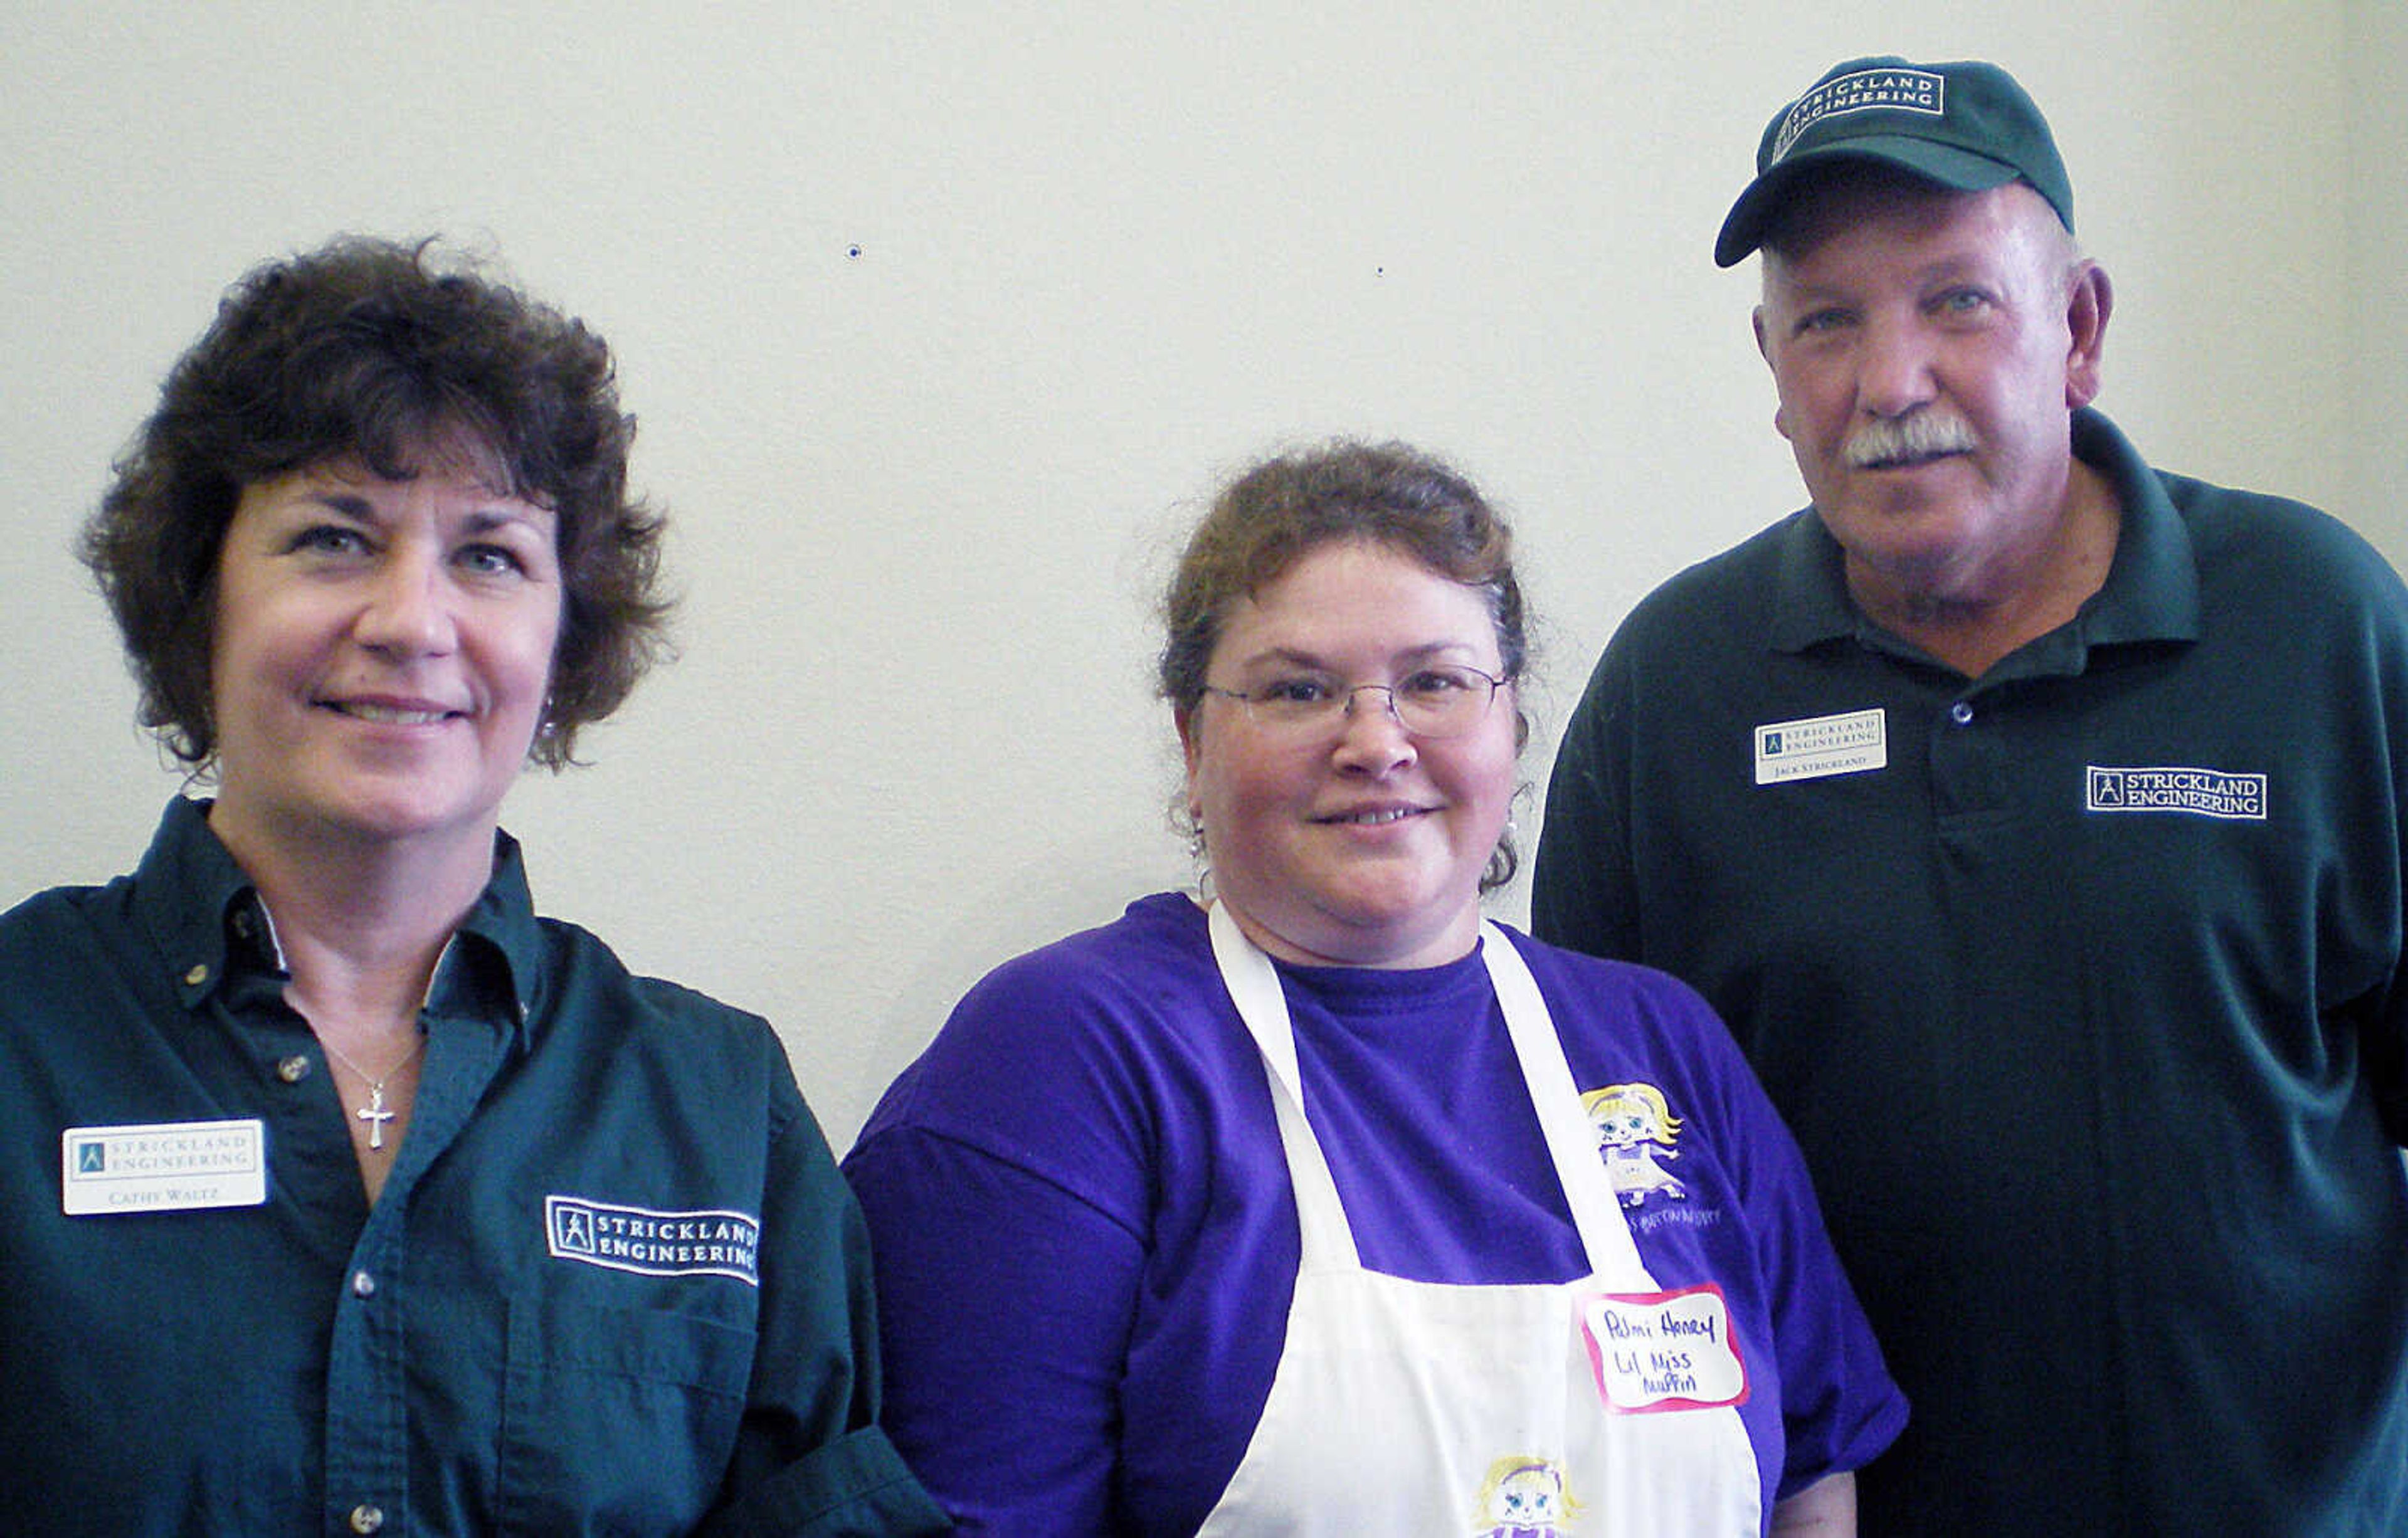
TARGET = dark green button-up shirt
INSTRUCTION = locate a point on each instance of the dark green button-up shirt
(612, 1284)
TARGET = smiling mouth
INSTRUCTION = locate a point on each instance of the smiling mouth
(1373, 818)
(386, 714)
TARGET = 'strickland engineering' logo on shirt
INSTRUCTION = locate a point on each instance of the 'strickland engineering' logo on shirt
(653, 1244)
(2197, 792)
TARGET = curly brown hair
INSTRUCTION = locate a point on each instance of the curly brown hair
(1285, 507)
(368, 348)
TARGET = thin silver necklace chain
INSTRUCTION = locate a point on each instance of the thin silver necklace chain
(375, 1112)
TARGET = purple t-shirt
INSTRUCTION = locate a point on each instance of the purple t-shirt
(1085, 1242)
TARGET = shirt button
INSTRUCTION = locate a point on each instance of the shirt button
(198, 974)
(362, 1285)
(368, 1518)
(293, 1070)
(1961, 713)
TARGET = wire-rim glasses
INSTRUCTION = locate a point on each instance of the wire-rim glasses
(1442, 701)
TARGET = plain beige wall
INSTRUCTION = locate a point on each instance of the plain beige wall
(938, 317)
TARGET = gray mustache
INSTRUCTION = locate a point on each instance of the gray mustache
(1915, 437)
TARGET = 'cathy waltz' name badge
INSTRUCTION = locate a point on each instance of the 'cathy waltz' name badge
(1660, 1351)
(166, 1167)
(1823, 745)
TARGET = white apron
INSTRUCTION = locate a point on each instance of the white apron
(1524, 1411)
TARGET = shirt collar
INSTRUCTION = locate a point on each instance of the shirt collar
(500, 944)
(204, 915)
(188, 892)
(2151, 592)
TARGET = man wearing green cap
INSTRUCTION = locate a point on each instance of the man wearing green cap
(2039, 821)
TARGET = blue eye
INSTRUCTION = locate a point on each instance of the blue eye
(1963, 303)
(490, 560)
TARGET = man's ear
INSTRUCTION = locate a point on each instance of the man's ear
(2090, 299)
(1764, 350)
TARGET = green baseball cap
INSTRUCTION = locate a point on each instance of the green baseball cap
(1965, 126)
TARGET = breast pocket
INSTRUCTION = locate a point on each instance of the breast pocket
(617, 1419)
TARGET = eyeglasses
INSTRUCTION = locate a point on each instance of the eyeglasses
(1446, 700)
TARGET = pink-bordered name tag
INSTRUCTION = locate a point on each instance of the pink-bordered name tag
(1659, 1352)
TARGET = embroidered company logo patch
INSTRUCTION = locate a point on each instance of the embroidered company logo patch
(1898, 90)
(1821, 745)
(653, 1244)
(2197, 792)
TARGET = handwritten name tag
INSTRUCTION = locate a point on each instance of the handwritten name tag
(1655, 1352)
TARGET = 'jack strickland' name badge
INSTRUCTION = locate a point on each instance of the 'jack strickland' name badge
(165, 1166)
(1821, 746)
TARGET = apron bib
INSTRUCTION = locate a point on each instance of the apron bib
(1599, 1408)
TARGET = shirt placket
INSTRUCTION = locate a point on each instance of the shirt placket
(368, 1424)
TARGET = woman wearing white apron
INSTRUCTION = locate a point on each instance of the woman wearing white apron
(1333, 1210)
(1417, 1388)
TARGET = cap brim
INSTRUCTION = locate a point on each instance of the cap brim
(1744, 228)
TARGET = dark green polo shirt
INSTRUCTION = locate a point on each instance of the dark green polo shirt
(613, 1282)
(2078, 983)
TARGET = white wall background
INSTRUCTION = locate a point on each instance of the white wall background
(940, 316)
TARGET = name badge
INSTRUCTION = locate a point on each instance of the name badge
(165, 1166)
(1822, 746)
(1657, 1352)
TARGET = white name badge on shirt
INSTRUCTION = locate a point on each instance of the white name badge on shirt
(1656, 1352)
(1822, 746)
(165, 1166)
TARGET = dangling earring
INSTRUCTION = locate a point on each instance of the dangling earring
(1202, 853)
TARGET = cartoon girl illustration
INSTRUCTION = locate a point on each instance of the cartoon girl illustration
(1524, 1498)
(1635, 1129)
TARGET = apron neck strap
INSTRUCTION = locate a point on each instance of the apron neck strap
(1572, 1140)
(1254, 985)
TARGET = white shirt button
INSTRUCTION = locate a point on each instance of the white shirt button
(293, 1070)
(1961, 713)
(367, 1519)
(362, 1285)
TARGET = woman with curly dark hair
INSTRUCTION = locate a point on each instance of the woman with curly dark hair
(338, 1191)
